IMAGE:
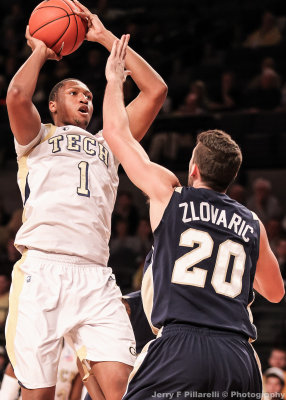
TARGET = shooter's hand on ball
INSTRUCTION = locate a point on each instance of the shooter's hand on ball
(36, 43)
(96, 29)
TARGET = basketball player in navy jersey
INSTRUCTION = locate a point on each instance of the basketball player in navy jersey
(209, 253)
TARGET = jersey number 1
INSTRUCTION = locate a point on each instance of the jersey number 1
(82, 189)
(197, 276)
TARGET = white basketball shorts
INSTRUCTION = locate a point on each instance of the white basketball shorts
(54, 296)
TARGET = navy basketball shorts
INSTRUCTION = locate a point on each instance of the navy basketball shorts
(188, 362)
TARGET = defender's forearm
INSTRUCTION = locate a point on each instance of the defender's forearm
(114, 111)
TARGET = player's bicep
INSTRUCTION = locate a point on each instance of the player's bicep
(24, 118)
(268, 280)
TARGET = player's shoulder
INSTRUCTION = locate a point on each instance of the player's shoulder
(26, 150)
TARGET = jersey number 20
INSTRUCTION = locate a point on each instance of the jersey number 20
(197, 276)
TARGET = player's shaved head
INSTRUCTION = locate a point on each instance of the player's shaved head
(218, 158)
(55, 90)
(57, 95)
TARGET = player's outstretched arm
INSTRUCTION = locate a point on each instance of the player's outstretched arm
(153, 90)
(24, 118)
(157, 182)
(268, 280)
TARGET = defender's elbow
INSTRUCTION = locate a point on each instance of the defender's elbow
(158, 93)
(161, 92)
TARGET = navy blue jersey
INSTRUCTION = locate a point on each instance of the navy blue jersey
(202, 266)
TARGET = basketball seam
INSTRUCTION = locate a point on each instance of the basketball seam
(63, 16)
(63, 32)
(50, 22)
(75, 23)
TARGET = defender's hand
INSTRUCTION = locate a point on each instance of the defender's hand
(36, 44)
(115, 66)
(96, 29)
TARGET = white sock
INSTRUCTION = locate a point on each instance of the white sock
(9, 388)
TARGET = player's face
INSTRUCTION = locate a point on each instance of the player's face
(74, 105)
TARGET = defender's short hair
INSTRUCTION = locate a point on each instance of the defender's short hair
(218, 158)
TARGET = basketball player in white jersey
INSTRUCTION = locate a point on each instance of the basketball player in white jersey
(68, 181)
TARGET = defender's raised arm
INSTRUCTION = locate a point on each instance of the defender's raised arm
(154, 180)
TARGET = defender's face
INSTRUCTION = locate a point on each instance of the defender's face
(74, 105)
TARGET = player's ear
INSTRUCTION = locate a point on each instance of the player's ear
(52, 106)
(194, 170)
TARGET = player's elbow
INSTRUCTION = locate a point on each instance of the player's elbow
(16, 96)
(160, 92)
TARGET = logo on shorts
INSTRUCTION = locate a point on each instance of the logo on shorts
(112, 277)
(28, 279)
(132, 351)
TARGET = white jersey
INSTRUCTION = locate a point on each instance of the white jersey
(68, 181)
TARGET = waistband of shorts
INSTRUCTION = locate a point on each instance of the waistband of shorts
(61, 258)
(180, 328)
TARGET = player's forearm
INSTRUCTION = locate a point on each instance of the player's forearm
(25, 80)
(114, 112)
(116, 123)
(145, 77)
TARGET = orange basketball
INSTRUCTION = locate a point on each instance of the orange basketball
(54, 22)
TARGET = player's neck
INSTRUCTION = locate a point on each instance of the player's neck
(60, 123)
(202, 185)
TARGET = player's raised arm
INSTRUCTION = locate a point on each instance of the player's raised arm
(153, 90)
(268, 280)
(157, 182)
(24, 118)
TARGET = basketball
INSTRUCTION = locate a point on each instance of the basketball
(54, 22)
